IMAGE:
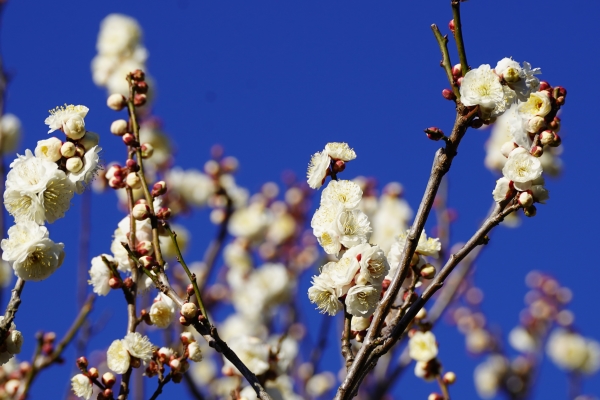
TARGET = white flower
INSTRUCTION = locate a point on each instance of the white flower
(373, 263)
(194, 186)
(252, 352)
(318, 385)
(324, 295)
(346, 193)
(520, 339)
(488, 376)
(342, 272)
(138, 346)
(567, 349)
(14, 341)
(390, 219)
(529, 75)
(237, 257)
(61, 115)
(353, 227)
(340, 151)
(100, 275)
(538, 104)
(82, 386)
(30, 252)
(361, 300)
(143, 232)
(281, 228)
(317, 169)
(194, 352)
(359, 323)
(502, 189)
(119, 34)
(422, 346)
(509, 69)
(481, 86)
(592, 361)
(250, 222)
(117, 357)
(49, 149)
(422, 371)
(85, 175)
(426, 246)
(325, 228)
(10, 133)
(522, 168)
(162, 311)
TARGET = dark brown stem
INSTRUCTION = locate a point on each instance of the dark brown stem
(161, 385)
(346, 344)
(11, 309)
(41, 362)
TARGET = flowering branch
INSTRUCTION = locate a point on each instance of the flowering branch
(346, 345)
(460, 46)
(11, 309)
(41, 362)
(445, 63)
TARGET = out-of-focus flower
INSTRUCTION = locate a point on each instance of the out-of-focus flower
(488, 376)
(422, 346)
(100, 275)
(253, 353)
(82, 386)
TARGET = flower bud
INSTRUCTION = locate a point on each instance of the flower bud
(108, 379)
(119, 127)
(434, 133)
(82, 363)
(230, 164)
(48, 149)
(74, 128)
(428, 271)
(547, 137)
(114, 283)
(544, 85)
(338, 166)
(507, 148)
(116, 183)
(555, 125)
(11, 387)
(557, 141)
(89, 140)
(449, 378)
(189, 311)
(457, 71)
(183, 321)
(194, 352)
(147, 150)
(135, 362)
(133, 181)
(448, 94)
(128, 282)
(211, 167)
(74, 164)
(422, 314)
(113, 171)
(116, 102)
(139, 99)
(79, 150)
(129, 140)
(187, 338)
(138, 75)
(525, 199)
(511, 75)
(159, 188)
(140, 211)
(175, 363)
(535, 124)
(537, 151)
(530, 211)
(67, 150)
(451, 26)
(189, 289)
(144, 248)
(415, 259)
(163, 213)
(141, 87)
(93, 373)
(435, 396)
(477, 123)
(147, 261)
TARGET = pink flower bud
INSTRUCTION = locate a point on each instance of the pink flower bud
(113, 170)
(147, 261)
(159, 188)
(507, 148)
(163, 213)
(108, 379)
(114, 283)
(93, 373)
(129, 140)
(451, 26)
(338, 166)
(175, 363)
(544, 85)
(435, 396)
(187, 338)
(477, 123)
(141, 87)
(448, 94)
(140, 212)
(428, 271)
(132, 165)
(128, 282)
(557, 141)
(434, 133)
(139, 99)
(144, 248)
(116, 183)
(449, 378)
(525, 199)
(457, 71)
(82, 363)
(537, 151)
(138, 75)
(547, 137)
(116, 102)
(183, 321)
(147, 150)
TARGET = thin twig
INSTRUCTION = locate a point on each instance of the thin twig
(445, 63)
(460, 45)
(346, 345)
(11, 309)
(161, 385)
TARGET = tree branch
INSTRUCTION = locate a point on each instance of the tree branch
(460, 45)
(11, 309)
(445, 63)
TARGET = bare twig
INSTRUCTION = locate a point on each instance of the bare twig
(460, 45)
(346, 345)
(445, 63)
(11, 309)
(161, 385)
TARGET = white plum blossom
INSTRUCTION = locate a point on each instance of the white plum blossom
(342, 272)
(192, 185)
(194, 352)
(84, 176)
(324, 295)
(502, 189)
(317, 169)
(49, 149)
(117, 357)
(572, 352)
(482, 87)
(143, 232)
(422, 346)
(521, 80)
(30, 252)
(67, 114)
(138, 346)
(340, 151)
(426, 246)
(13, 343)
(250, 222)
(390, 218)
(522, 168)
(119, 35)
(353, 227)
(488, 376)
(162, 311)
(252, 351)
(361, 300)
(520, 339)
(359, 323)
(538, 104)
(346, 193)
(100, 274)
(82, 386)
(373, 263)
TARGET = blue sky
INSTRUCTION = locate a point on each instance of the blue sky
(274, 81)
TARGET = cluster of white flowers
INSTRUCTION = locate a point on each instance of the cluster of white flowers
(426, 247)
(320, 163)
(119, 353)
(572, 352)
(39, 189)
(120, 52)
(12, 344)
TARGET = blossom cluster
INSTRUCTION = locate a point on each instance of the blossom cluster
(39, 189)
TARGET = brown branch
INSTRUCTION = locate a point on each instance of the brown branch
(445, 63)
(460, 45)
(41, 362)
(11, 309)
(161, 385)
(346, 345)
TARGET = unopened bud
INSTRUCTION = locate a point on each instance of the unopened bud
(525, 199)
(507, 148)
(422, 314)
(189, 311)
(129, 140)
(116, 183)
(187, 338)
(119, 127)
(159, 188)
(230, 164)
(132, 165)
(163, 213)
(547, 137)
(435, 396)
(138, 75)
(537, 151)
(457, 71)
(147, 261)
(183, 321)
(428, 271)
(74, 128)
(338, 166)
(89, 140)
(113, 171)
(449, 378)
(133, 181)
(530, 211)
(114, 283)
(116, 102)
(79, 150)
(415, 259)
(147, 150)
(511, 75)
(434, 133)
(557, 141)
(67, 149)
(544, 85)
(135, 362)
(140, 211)
(82, 363)
(211, 167)
(93, 373)
(141, 87)
(128, 282)
(108, 379)
(561, 91)
(448, 94)
(74, 164)
(477, 123)
(144, 248)
(555, 125)
(535, 124)
(139, 99)
(451, 26)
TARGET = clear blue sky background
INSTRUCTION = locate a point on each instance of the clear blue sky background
(274, 81)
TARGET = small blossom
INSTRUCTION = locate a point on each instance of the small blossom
(538, 104)
(49, 149)
(502, 189)
(162, 311)
(86, 174)
(361, 300)
(194, 352)
(359, 323)
(522, 168)
(345, 193)
(317, 169)
(117, 357)
(422, 346)
(253, 353)
(482, 87)
(324, 295)
(138, 346)
(60, 116)
(100, 275)
(340, 151)
(82, 386)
